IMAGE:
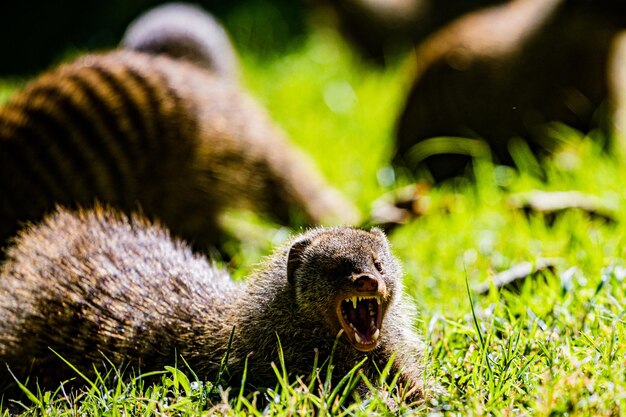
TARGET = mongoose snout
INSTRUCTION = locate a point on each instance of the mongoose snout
(366, 283)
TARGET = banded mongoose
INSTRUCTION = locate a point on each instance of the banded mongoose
(509, 71)
(95, 284)
(142, 131)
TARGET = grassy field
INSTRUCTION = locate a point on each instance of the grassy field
(557, 347)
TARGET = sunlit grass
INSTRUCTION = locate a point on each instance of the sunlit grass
(177, 390)
(336, 108)
(556, 348)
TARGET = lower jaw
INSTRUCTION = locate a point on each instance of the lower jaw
(365, 348)
(361, 347)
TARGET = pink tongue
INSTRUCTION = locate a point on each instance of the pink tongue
(360, 319)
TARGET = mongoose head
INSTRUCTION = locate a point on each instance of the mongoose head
(346, 277)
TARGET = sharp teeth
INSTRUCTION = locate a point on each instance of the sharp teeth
(357, 338)
(376, 334)
(372, 323)
(354, 301)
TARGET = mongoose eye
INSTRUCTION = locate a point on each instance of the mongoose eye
(378, 265)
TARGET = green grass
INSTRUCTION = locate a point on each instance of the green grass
(556, 348)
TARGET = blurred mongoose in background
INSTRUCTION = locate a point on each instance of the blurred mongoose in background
(180, 142)
(509, 71)
(382, 29)
(95, 284)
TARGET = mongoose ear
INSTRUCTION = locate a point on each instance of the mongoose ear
(378, 232)
(381, 235)
(294, 259)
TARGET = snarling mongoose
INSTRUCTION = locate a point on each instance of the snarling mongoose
(508, 71)
(95, 284)
(145, 131)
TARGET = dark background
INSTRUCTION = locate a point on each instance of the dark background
(34, 35)
(37, 34)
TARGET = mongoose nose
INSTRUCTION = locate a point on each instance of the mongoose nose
(366, 283)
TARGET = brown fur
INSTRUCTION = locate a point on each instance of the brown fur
(95, 284)
(508, 71)
(148, 132)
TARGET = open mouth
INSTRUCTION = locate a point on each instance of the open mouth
(360, 317)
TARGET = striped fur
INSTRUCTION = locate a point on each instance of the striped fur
(155, 134)
(95, 284)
